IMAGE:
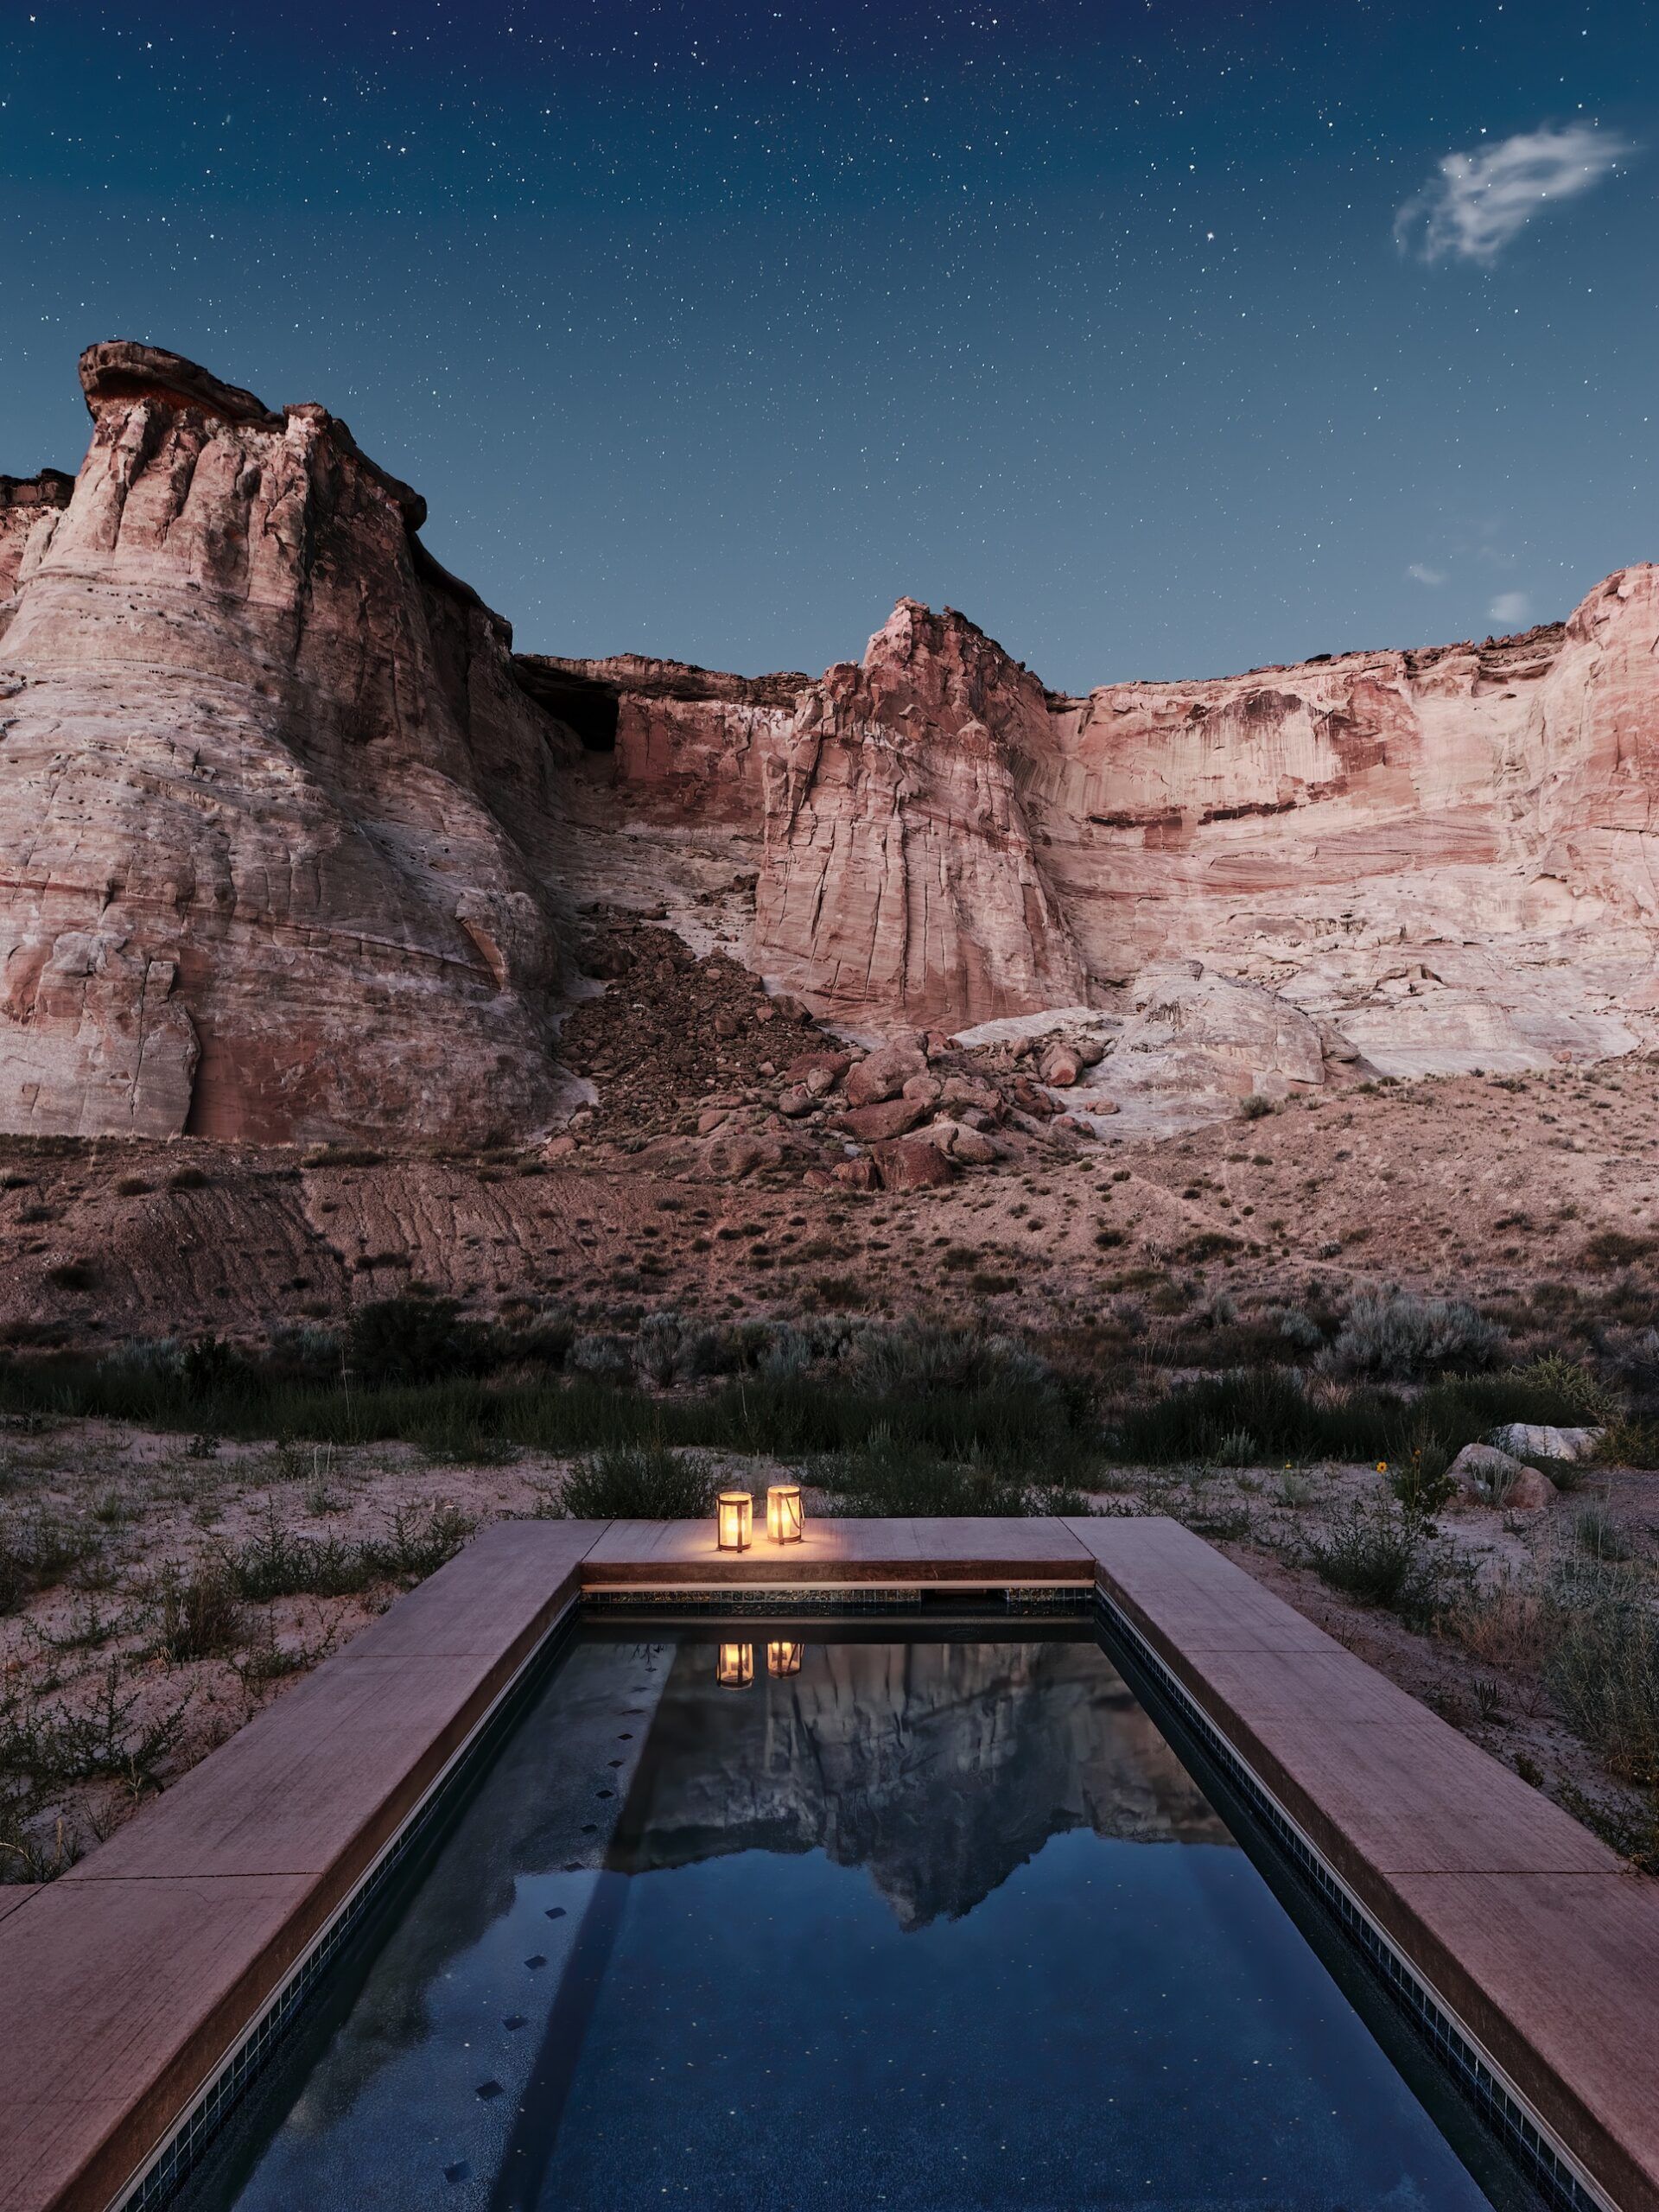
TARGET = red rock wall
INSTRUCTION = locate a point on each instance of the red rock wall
(275, 816)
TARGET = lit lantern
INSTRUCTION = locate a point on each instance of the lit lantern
(784, 1658)
(734, 1520)
(785, 1519)
(734, 1667)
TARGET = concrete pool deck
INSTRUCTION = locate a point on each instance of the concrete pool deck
(127, 1985)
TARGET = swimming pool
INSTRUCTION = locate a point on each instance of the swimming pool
(784, 1917)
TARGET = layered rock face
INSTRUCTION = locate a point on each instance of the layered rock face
(897, 872)
(1410, 861)
(286, 833)
(275, 816)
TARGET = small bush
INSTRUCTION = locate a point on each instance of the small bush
(1255, 1108)
(1420, 1481)
(1604, 1668)
(888, 1476)
(1574, 1385)
(640, 1481)
(274, 1562)
(601, 1358)
(37, 1552)
(72, 1275)
(1506, 1626)
(417, 1543)
(409, 1339)
(1397, 1337)
(130, 1186)
(1382, 1555)
(1599, 1536)
(197, 1614)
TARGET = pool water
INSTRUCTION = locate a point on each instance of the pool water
(916, 1921)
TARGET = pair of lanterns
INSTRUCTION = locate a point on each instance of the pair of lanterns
(734, 1664)
(735, 1517)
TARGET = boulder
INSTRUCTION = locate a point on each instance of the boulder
(970, 1146)
(888, 1117)
(796, 1100)
(820, 1071)
(1489, 1477)
(735, 1153)
(856, 1174)
(1060, 1064)
(1539, 1441)
(925, 1090)
(968, 1090)
(883, 1074)
(912, 1164)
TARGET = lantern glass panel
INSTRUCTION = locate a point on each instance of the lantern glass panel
(734, 1520)
(785, 1516)
(734, 1666)
(784, 1658)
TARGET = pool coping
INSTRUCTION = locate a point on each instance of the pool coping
(145, 1974)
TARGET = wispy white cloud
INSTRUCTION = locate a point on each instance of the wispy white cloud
(1477, 203)
(1510, 607)
(1425, 575)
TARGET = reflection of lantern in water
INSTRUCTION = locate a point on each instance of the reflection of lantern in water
(786, 1518)
(734, 1666)
(733, 1514)
(784, 1658)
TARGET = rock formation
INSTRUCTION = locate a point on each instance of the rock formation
(1431, 859)
(275, 822)
(287, 835)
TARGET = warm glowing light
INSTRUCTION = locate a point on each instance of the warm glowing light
(784, 1658)
(734, 1520)
(734, 1667)
(786, 1515)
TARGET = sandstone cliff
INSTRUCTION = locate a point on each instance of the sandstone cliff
(286, 834)
(275, 822)
(1434, 860)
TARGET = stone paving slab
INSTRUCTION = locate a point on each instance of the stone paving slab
(128, 1979)
(117, 2000)
(1528, 1928)
(681, 1554)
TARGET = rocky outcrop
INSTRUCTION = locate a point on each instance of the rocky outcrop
(286, 835)
(275, 816)
(1394, 863)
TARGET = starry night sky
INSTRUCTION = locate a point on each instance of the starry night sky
(1155, 337)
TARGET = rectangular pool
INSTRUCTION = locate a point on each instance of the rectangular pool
(778, 1916)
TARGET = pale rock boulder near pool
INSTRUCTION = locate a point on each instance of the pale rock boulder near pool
(290, 839)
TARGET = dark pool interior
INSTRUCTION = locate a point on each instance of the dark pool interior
(893, 1916)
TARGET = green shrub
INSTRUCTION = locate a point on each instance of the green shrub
(1398, 1337)
(640, 1481)
(1603, 1665)
(1376, 1552)
(408, 1340)
(198, 1616)
(888, 1476)
(37, 1551)
(418, 1541)
(1421, 1480)
(275, 1562)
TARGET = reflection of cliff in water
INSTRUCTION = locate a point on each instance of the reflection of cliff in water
(941, 1767)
